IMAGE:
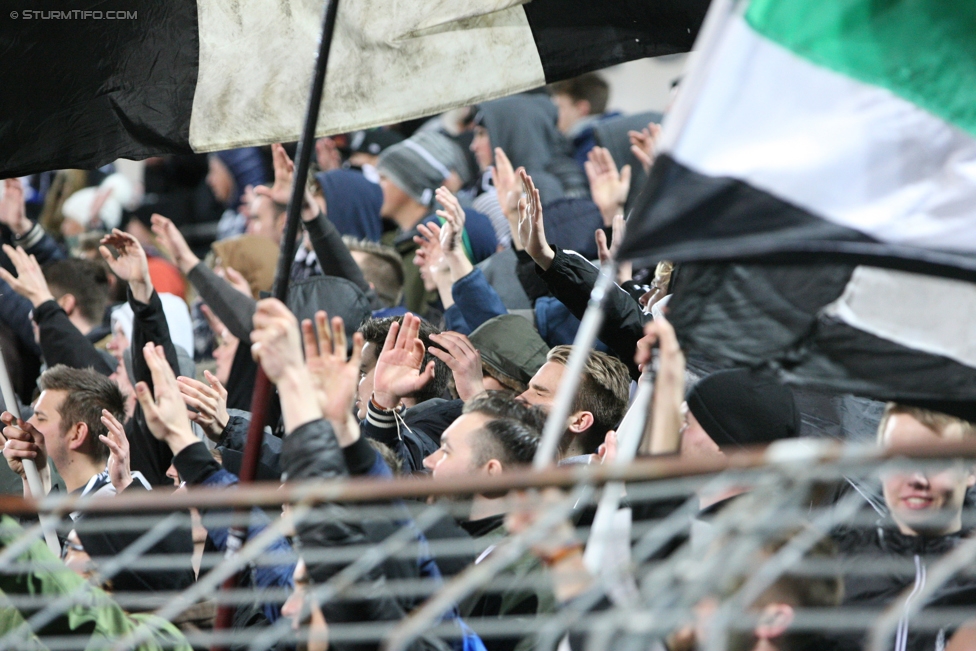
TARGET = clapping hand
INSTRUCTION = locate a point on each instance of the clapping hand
(608, 186)
(642, 144)
(206, 404)
(171, 239)
(163, 407)
(506, 181)
(13, 210)
(625, 270)
(335, 374)
(118, 447)
(532, 231)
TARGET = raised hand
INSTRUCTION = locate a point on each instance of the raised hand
(206, 404)
(531, 227)
(430, 259)
(284, 172)
(507, 185)
(276, 345)
(335, 374)
(275, 341)
(13, 211)
(118, 447)
(30, 282)
(642, 144)
(452, 233)
(21, 440)
(399, 369)
(669, 385)
(464, 361)
(608, 186)
(625, 270)
(234, 279)
(131, 265)
(327, 154)
(164, 408)
(170, 238)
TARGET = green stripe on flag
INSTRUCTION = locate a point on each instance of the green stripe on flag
(921, 50)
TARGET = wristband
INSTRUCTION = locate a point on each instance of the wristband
(561, 554)
(372, 400)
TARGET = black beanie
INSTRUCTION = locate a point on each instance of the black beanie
(741, 407)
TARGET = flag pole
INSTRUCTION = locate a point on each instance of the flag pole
(33, 477)
(262, 386)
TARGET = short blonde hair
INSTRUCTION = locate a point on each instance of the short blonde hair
(939, 423)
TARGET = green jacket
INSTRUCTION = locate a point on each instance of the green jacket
(94, 614)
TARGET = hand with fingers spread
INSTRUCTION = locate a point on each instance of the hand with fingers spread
(506, 181)
(13, 210)
(206, 404)
(642, 144)
(170, 238)
(531, 226)
(335, 374)
(276, 344)
(163, 407)
(327, 154)
(118, 448)
(30, 282)
(608, 186)
(22, 441)
(464, 361)
(131, 266)
(625, 270)
(399, 367)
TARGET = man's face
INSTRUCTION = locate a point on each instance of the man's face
(264, 219)
(570, 111)
(481, 148)
(220, 180)
(928, 499)
(394, 199)
(367, 369)
(47, 421)
(457, 455)
(695, 441)
(318, 630)
(543, 385)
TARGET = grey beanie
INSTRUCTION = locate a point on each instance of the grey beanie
(414, 169)
(447, 152)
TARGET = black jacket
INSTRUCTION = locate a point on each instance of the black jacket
(312, 452)
(878, 590)
(571, 278)
(414, 433)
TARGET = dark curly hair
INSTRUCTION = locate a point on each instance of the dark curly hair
(374, 331)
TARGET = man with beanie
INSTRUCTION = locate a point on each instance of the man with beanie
(738, 408)
(410, 172)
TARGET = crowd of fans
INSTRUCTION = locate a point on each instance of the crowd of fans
(438, 285)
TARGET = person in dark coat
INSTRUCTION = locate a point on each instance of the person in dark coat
(920, 520)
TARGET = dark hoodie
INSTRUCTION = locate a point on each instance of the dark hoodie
(352, 203)
(524, 126)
